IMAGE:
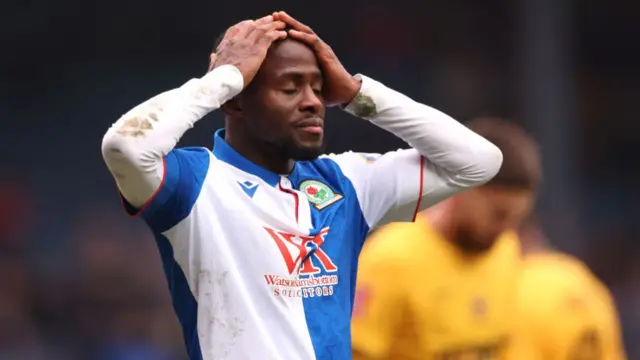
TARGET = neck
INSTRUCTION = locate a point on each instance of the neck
(442, 221)
(260, 153)
(533, 245)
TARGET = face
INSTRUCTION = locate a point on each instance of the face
(283, 106)
(486, 212)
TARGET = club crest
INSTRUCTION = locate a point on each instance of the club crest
(319, 193)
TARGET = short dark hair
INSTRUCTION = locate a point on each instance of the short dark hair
(220, 37)
(521, 165)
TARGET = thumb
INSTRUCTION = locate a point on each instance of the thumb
(212, 60)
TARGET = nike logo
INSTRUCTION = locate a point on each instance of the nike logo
(248, 187)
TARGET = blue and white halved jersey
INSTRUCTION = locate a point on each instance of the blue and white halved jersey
(262, 265)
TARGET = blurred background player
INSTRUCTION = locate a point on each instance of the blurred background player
(441, 288)
(563, 311)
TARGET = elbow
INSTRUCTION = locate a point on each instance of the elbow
(118, 150)
(113, 146)
(482, 166)
(123, 154)
(489, 161)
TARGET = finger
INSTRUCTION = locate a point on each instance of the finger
(310, 39)
(262, 30)
(245, 28)
(264, 20)
(212, 60)
(283, 16)
(270, 37)
(275, 35)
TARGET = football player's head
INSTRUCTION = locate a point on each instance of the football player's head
(282, 110)
(482, 214)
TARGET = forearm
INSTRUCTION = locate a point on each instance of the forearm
(134, 146)
(466, 158)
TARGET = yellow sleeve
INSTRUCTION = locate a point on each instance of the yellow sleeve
(561, 317)
(377, 304)
(613, 347)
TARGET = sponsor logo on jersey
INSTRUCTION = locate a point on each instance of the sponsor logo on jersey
(248, 187)
(311, 271)
(319, 193)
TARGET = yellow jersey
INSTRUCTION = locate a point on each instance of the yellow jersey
(563, 312)
(419, 297)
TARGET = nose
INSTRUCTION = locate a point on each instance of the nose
(310, 101)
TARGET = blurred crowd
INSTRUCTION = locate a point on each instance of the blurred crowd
(101, 296)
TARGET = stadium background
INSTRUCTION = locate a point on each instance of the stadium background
(79, 280)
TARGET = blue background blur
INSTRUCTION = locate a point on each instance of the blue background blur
(79, 280)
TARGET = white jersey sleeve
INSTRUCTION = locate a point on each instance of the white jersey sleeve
(139, 145)
(446, 158)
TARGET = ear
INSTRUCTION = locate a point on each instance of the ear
(233, 107)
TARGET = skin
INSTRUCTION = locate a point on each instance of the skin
(279, 117)
(290, 77)
(473, 220)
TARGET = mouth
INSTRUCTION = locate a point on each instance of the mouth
(311, 125)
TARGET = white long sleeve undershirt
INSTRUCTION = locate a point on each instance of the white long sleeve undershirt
(135, 145)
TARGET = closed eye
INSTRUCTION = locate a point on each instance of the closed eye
(290, 91)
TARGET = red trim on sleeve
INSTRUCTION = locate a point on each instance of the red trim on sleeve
(146, 204)
(295, 196)
(415, 214)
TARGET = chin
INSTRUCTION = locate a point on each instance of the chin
(483, 246)
(473, 243)
(306, 153)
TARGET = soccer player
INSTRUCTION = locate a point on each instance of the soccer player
(441, 288)
(260, 237)
(563, 311)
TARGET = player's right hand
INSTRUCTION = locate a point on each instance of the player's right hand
(245, 45)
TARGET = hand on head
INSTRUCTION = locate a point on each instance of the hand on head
(245, 46)
(339, 87)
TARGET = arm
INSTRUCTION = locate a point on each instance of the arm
(446, 158)
(613, 346)
(137, 146)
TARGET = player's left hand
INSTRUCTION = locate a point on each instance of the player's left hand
(339, 86)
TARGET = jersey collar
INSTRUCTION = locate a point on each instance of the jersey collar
(223, 151)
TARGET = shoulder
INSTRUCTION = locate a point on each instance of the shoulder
(192, 154)
(508, 244)
(554, 268)
(352, 157)
(561, 276)
(186, 168)
(188, 160)
(343, 165)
